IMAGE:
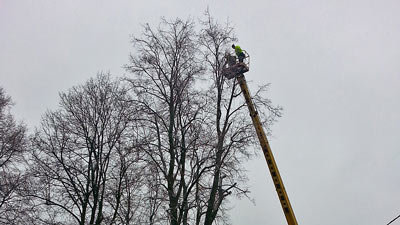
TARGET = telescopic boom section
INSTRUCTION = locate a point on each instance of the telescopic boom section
(276, 177)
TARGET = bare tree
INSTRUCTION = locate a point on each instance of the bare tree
(84, 157)
(165, 70)
(12, 147)
(200, 129)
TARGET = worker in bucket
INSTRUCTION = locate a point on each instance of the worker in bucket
(239, 52)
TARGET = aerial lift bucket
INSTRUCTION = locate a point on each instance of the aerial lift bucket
(233, 68)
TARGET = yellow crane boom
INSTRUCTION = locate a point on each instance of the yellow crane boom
(273, 169)
(234, 69)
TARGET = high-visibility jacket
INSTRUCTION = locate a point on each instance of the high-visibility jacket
(238, 50)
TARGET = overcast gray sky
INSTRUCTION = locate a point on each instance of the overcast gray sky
(333, 65)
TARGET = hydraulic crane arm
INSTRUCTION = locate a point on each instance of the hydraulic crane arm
(276, 177)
